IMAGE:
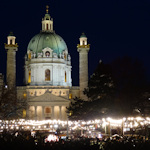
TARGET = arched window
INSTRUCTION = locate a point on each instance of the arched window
(83, 42)
(47, 26)
(29, 77)
(47, 75)
(65, 77)
(11, 41)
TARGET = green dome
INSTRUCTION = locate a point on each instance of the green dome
(47, 39)
(83, 35)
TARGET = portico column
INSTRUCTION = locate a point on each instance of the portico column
(43, 116)
(60, 115)
(52, 112)
(35, 114)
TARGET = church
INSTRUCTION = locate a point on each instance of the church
(48, 86)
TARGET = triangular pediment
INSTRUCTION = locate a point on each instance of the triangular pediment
(48, 97)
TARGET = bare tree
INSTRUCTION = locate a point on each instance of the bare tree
(10, 106)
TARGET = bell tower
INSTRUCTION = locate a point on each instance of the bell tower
(11, 48)
(83, 49)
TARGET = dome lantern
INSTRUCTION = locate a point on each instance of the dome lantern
(83, 39)
(47, 22)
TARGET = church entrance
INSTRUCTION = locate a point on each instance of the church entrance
(48, 112)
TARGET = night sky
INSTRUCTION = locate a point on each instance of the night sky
(114, 28)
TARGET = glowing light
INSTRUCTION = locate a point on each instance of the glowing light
(135, 124)
(56, 126)
(113, 121)
(124, 119)
(139, 118)
(51, 137)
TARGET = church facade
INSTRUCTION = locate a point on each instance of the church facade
(48, 86)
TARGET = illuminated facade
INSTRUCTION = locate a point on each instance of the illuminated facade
(48, 85)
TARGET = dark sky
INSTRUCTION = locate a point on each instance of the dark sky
(114, 28)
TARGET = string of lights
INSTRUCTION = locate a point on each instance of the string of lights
(130, 122)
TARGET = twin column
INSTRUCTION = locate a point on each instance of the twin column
(83, 49)
(11, 48)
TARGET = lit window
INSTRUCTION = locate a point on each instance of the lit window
(65, 77)
(29, 55)
(47, 75)
(24, 95)
(64, 56)
(29, 77)
(70, 96)
(24, 113)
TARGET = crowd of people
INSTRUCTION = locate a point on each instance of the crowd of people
(24, 141)
(125, 143)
